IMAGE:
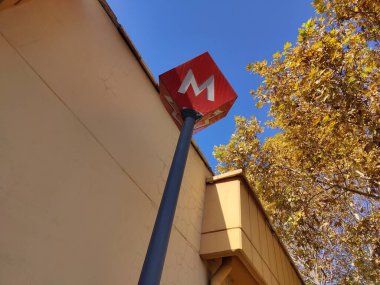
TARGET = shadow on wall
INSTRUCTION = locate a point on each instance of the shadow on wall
(224, 230)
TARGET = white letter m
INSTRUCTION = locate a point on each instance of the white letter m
(190, 80)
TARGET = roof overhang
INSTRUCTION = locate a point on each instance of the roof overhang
(236, 225)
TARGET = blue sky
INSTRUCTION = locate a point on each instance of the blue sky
(235, 33)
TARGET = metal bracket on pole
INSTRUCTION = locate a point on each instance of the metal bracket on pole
(155, 257)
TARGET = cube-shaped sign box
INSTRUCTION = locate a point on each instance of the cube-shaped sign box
(197, 84)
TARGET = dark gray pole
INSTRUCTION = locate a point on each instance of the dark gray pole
(155, 257)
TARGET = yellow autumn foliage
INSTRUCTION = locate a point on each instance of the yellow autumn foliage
(319, 176)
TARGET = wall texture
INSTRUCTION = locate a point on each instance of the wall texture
(85, 148)
(235, 225)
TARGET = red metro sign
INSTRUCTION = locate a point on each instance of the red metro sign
(197, 84)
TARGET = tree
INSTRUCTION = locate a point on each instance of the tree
(319, 176)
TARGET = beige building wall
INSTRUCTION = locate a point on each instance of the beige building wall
(236, 226)
(85, 148)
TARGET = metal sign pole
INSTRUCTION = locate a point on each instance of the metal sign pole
(155, 257)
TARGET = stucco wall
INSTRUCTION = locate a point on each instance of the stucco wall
(85, 148)
(235, 225)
